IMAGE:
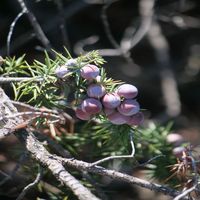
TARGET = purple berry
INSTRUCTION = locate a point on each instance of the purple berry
(91, 106)
(117, 118)
(98, 79)
(71, 62)
(89, 71)
(81, 114)
(178, 151)
(62, 71)
(127, 91)
(129, 107)
(111, 100)
(108, 111)
(96, 91)
(174, 138)
(136, 119)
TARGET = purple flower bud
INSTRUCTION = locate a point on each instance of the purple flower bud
(127, 91)
(96, 91)
(108, 111)
(89, 71)
(81, 114)
(62, 71)
(111, 100)
(117, 118)
(129, 107)
(136, 119)
(91, 106)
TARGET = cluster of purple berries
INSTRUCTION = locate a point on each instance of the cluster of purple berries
(119, 106)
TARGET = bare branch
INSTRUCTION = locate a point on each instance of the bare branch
(106, 24)
(149, 161)
(6, 108)
(185, 193)
(80, 165)
(168, 81)
(146, 14)
(32, 113)
(19, 79)
(54, 164)
(79, 46)
(11, 30)
(48, 25)
(38, 151)
(31, 185)
(36, 26)
(29, 107)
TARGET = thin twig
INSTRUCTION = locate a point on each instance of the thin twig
(3, 173)
(31, 185)
(146, 14)
(119, 157)
(19, 79)
(149, 161)
(106, 24)
(48, 25)
(168, 81)
(81, 165)
(128, 34)
(7, 108)
(38, 113)
(62, 116)
(29, 107)
(185, 193)
(123, 52)
(36, 26)
(11, 30)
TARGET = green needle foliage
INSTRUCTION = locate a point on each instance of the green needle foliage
(42, 86)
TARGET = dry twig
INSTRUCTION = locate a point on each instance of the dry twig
(19, 79)
(168, 81)
(185, 193)
(119, 157)
(11, 30)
